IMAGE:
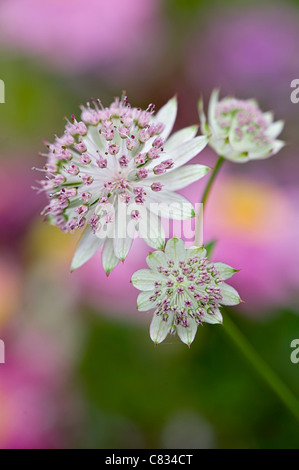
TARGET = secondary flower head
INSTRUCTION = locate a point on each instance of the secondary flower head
(239, 130)
(185, 290)
(114, 172)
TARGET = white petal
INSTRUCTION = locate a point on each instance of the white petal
(223, 147)
(145, 279)
(275, 129)
(203, 120)
(225, 270)
(99, 141)
(235, 156)
(187, 335)
(268, 116)
(186, 151)
(150, 228)
(230, 295)
(267, 152)
(87, 247)
(156, 259)
(109, 260)
(213, 319)
(181, 154)
(181, 177)
(122, 240)
(167, 115)
(122, 247)
(196, 251)
(277, 146)
(143, 302)
(180, 137)
(105, 230)
(91, 146)
(175, 250)
(170, 205)
(159, 329)
(212, 112)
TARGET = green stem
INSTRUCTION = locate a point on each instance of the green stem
(261, 367)
(275, 383)
(218, 165)
(198, 239)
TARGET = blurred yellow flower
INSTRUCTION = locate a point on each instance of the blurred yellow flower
(251, 209)
(10, 289)
(50, 244)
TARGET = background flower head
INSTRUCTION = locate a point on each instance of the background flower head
(239, 130)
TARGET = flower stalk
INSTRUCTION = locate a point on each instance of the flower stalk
(206, 193)
(241, 342)
(261, 367)
(198, 241)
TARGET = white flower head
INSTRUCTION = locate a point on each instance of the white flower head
(117, 167)
(185, 290)
(239, 131)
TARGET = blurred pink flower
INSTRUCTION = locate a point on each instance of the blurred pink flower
(33, 404)
(76, 33)
(18, 202)
(245, 49)
(11, 283)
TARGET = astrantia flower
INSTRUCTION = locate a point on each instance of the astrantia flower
(114, 173)
(185, 290)
(239, 130)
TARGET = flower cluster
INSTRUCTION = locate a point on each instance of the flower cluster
(114, 173)
(114, 167)
(185, 290)
(239, 130)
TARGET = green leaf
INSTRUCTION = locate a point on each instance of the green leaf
(210, 247)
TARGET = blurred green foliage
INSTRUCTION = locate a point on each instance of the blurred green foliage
(124, 374)
(36, 102)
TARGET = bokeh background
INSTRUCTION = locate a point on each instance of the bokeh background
(81, 370)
